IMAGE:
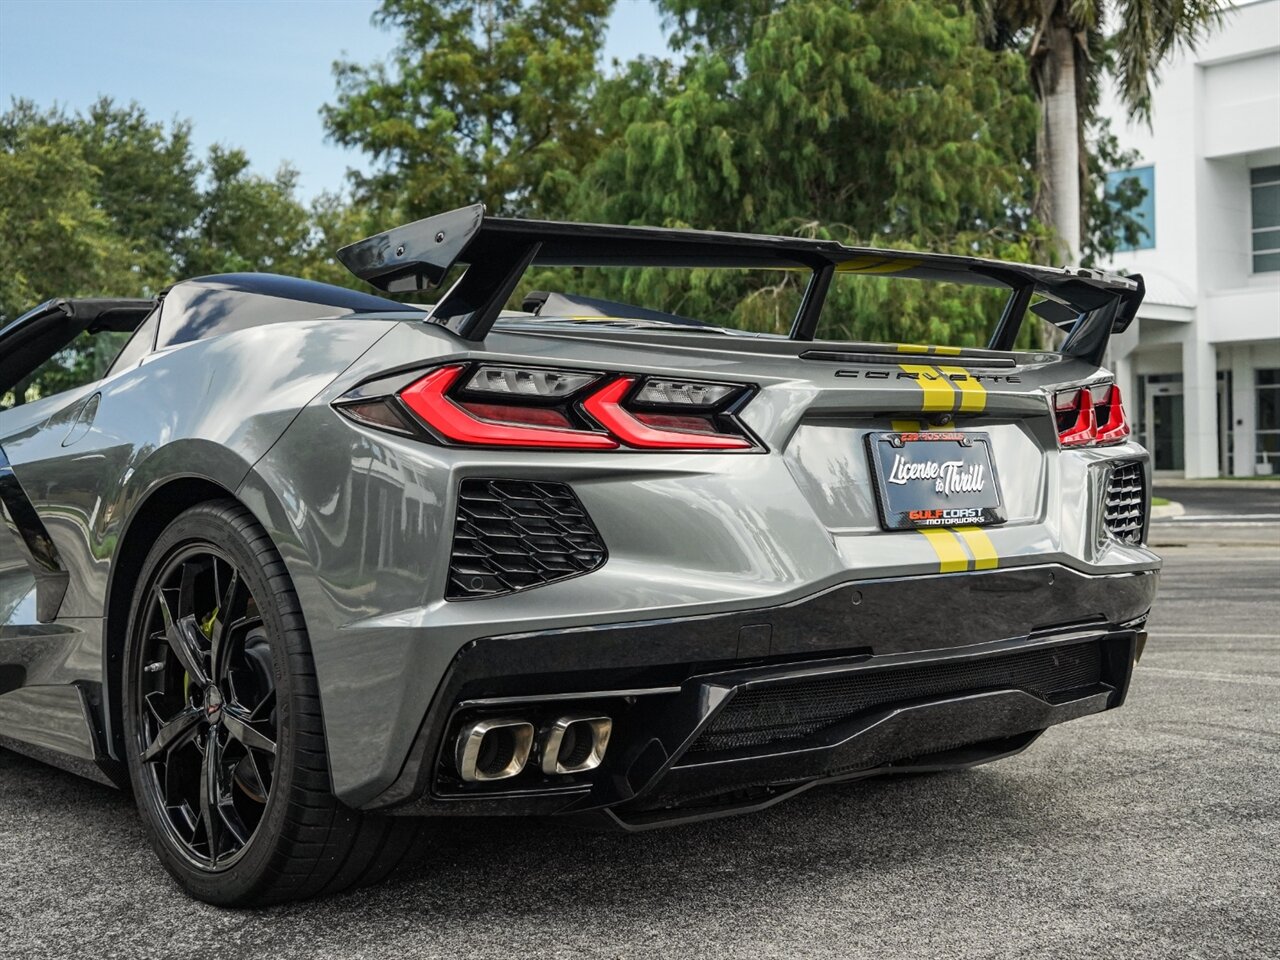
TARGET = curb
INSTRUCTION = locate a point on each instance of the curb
(1170, 509)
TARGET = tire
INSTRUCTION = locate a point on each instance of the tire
(223, 727)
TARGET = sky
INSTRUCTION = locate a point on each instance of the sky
(247, 73)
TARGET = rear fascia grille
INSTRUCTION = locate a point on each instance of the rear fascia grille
(793, 709)
(1125, 504)
(511, 535)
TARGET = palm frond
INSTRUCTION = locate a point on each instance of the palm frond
(1148, 33)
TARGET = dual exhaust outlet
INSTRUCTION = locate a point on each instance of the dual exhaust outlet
(499, 748)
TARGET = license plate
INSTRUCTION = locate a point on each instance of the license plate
(935, 479)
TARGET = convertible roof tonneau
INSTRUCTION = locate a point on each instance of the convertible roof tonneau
(96, 313)
(43, 330)
(498, 250)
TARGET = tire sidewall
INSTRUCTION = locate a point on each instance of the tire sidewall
(221, 526)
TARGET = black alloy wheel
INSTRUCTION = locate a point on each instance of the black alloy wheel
(206, 706)
(224, 730)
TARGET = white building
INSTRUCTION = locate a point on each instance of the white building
(1200, 370)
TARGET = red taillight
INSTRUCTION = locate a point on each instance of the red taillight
(510, 413)
(516, 406)
(605, 405)
(1091, 416)
(1115, 427)
(427, 398)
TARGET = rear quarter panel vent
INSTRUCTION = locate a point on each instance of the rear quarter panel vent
(1125, 503)
(511, 535)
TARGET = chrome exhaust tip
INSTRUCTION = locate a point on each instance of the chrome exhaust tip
(575, 743)
(493, 749)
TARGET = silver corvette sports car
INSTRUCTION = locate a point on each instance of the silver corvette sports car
(303, 566)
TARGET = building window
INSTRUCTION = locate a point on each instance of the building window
(1264, 186)
(1141, 179)
(1267, 430)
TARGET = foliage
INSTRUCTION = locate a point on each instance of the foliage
(1147, 33)
(879, 123)
(1110, 210)
(247, 222)
(481, 102)
(900, 123)
(110, 203)
(53, 235)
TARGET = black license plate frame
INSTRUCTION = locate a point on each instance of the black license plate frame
(935, 478)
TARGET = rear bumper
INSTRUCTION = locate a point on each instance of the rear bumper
(873, 676)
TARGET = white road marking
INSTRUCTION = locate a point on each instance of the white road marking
(1218, 518)
(1204, 675)
(1217, 636)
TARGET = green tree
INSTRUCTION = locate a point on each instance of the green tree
(336, 222)
(1069, 54)
(110, 203)
(247, 222)
(140, 176)
(1110, 220)
(482, 101)
(881, 123)
(53, 234)
(136, 209)
(148, 181)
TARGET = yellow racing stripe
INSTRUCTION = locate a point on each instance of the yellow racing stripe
(973, 395)
(980, 545)
(939, 393)
(905, 426)
(923, 348)
(890, 264)
(951, 555)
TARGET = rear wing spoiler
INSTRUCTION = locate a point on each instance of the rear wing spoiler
(497, 252)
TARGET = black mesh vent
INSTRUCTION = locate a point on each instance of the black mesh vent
(514, 534)
(1125, 510)
(793, 709)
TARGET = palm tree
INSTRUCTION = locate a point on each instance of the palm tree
(1069, 54)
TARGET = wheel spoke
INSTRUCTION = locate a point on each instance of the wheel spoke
(251, 733)
(209, 772)
(207, 682)
(182, 635)
(253, 620)
(172, 734)
(187, 589)
(264, 708)
(184, 817)
(226, 830)
(222, 624)
(231, 819)
(248, 777)
(152, 701)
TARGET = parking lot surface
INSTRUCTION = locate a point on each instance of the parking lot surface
(1150, 831)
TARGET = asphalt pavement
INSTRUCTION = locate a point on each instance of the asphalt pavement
(1227, 498)
(1150, 831)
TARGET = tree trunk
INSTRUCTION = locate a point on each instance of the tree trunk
(1061, 167)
